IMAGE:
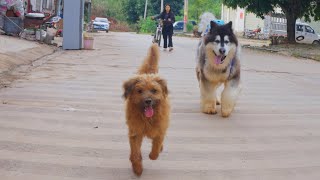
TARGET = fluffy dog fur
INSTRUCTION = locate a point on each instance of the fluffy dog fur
(218, 63)
(147, 109)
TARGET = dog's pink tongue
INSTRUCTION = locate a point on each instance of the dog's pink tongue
(148, 112)
(218, 60)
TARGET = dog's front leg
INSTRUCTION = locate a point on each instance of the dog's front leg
(208, 97)
(230, 95)
(135, 156)
(157, 145)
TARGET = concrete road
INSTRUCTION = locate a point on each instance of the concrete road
(65, 119)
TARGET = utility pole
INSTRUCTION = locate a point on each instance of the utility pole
(185, 19)
(145, 9)
(161, 9)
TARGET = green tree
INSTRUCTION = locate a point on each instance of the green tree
(108, 8)
(176, 6)
(197, 7)
(133, 10)
(293, 9)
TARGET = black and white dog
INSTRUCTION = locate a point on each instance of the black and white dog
(218, 63)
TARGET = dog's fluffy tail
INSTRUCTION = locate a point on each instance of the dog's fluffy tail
(205, 19)
(150, 63)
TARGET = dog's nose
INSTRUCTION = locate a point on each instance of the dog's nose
(148, 101)
(222, 50)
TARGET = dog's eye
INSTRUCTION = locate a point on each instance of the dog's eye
(154, 91)
(140, 91)
(226, 42)
(217, 41)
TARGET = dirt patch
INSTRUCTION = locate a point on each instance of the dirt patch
(12, 64)
(253, 42)
(300, 50)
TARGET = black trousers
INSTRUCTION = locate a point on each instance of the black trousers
(165, 40)
(167, 34)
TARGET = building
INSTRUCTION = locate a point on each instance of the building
(245, 20)
(237, 16)
(40, 6)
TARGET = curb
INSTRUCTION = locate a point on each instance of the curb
(283, 53)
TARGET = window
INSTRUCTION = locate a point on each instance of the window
(309, 30)
(103, 20)
(300, 28)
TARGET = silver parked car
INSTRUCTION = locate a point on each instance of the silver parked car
(101, 24)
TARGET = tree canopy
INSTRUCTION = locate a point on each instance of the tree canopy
(197, 7)
(132, 10)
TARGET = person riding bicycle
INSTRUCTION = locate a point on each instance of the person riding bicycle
(168, 19)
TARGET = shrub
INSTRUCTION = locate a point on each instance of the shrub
(189, 27)
(147, 25)
(179, 18)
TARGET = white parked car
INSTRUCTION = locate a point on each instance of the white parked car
(277, 28)
(305, 34)
(101, 24)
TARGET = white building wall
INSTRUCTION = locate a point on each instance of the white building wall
(237, 16)
(239, 20)
(252, 21)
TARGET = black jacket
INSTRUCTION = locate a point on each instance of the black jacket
(167, 28)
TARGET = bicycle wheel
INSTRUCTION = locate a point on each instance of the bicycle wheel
(154, 40)
(159, 38)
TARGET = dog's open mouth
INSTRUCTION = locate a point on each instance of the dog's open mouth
(148, 111)
(219, 59)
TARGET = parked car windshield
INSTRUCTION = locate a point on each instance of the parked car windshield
(101, 20)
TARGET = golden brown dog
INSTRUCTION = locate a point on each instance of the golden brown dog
(147, 109)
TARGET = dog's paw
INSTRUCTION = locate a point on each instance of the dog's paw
(225, 115)
(153, 156)
(226, 112)
(226, 109)
(137, 168)
(208, 109)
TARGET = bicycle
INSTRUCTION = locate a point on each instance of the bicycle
(158, 33)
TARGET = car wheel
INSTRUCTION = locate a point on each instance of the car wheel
(316, 43)
(281, 40)
(107, 31)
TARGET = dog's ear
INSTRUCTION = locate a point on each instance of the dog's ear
(164, 87)
(213, 26)
(128, 86)
(229, 25)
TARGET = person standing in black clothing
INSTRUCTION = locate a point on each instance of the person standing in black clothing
(168, 19)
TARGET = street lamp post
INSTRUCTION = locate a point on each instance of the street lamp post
(161, 9)
(145, 9)
(185, 19)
